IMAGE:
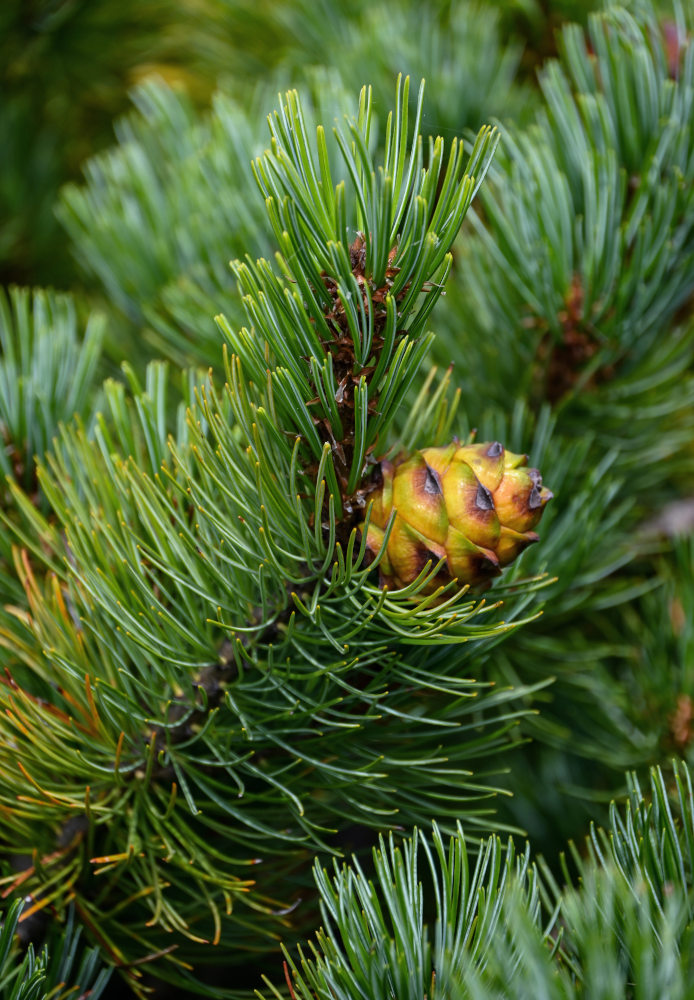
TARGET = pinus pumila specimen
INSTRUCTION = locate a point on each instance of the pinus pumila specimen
(207, 676)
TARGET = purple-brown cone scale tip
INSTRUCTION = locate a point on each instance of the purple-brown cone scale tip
(473, 506)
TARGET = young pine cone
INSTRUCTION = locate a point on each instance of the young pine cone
(473, 506)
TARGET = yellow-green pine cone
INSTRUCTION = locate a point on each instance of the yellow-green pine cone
(472, 507)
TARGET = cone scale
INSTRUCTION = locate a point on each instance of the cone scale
(472, 506)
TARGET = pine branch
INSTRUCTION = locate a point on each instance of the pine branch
(626, 401)
(47, 376)
(346, 343)
(582, 259)
(209, 621)
(204, 211)
(504, 928)
(164, 264)
(53, 974)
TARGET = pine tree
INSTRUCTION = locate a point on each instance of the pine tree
(267, 592)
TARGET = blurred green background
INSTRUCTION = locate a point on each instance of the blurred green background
(68, 68)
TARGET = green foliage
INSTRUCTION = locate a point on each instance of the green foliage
(206, 622)
(376, 942)
(368, 259)
(24, 979)
(162, 215)
(584, 252)
(203, 685)
(47, 376)
(461, 49)
(573, 215)
(434, 922)
(53, 974)
(163, 212)
(654, 671)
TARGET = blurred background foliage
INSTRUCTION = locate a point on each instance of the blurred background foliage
(68, 67)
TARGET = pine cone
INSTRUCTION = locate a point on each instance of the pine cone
(473, 506)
